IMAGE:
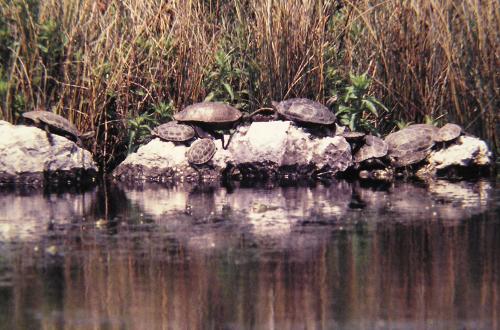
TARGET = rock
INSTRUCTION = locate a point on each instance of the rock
(262, 141)
(263, 149)
(282, 150)
(468, 151)
(28, 157)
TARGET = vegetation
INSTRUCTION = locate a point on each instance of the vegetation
(118, 67)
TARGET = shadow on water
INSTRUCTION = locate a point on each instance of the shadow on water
(286, 257)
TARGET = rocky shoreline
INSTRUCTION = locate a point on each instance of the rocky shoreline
(260, 151)
(28, 156)
(281, 150)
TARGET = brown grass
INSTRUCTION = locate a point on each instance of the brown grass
(103, 63)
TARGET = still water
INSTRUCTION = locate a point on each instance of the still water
(342, 255)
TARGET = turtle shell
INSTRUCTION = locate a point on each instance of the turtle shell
(374, 147)
(173, 131)
(201, 151)
(305, 111)
(447, 133)
(353, 136)
(57, 124)
(215, 114)
(411, 144)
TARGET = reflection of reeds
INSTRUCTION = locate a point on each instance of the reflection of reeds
(416, 272)
(102, 63)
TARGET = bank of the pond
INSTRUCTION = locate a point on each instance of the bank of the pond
(270, 150)
(283, 150)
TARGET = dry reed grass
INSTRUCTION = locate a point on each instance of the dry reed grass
(103, 63)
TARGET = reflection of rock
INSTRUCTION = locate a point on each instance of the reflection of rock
(27, 156)
(271, 213)
(270, 145)
(437, 200)
(23, 216)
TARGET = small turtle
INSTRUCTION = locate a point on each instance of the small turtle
(353, 136)
(374, 147)
(305, 111)
(448, 132)
(210, 116)
(411, 144)
(173, 131)
(201, 151)
(53, 123)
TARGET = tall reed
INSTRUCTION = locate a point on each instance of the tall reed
(435, 58)
(103, 63)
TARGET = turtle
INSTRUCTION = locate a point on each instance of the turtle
(353, 136)
(411, 144)
(447, 133)
(53, 123)
(201, 151)
(305, 111)
(374, 147)
(173, 131)
(210, 116)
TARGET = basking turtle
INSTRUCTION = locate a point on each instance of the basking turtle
(201, 151)
(53, 123)
(353, 136)
(374, 147)
(448, 132)
(305, 111)
(210, 116)
(173, 131)
(411, 144)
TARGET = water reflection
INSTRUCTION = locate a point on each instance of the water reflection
(343, 255)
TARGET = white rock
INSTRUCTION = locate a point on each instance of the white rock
(264, 141)
(25, 149)
(277, 142)
(468, 151)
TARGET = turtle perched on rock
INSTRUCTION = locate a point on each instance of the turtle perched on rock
(306, 112)
(447, 133)
(411, 144)
(210, 116)
(173, 131)
(201, 151)
(53, 123)
(374, 147)
(353, 136)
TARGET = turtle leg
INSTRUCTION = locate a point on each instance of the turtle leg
(49, 135)
(200, 132)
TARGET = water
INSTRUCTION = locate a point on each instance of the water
(404, 256)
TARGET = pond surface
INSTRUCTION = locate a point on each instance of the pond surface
(404, 256)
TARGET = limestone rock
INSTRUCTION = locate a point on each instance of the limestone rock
(468, 151)
(268, 145)
(27, 156)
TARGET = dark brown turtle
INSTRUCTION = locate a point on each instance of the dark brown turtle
(374, 147)
(173, 131)
(53, 123)
(210, 116)
(448, 132)
(353, 136)
(305, 111)
(411, 144)
(201, 151)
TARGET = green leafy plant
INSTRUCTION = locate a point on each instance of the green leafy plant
(140, 126)
(356, 108)
(221, 78)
